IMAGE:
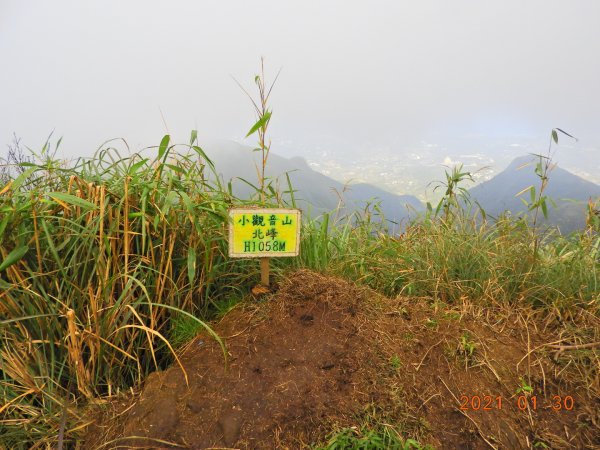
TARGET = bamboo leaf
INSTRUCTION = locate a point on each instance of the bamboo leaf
(13, 257)
(21, 178)
(523, 191)
(164, 144)
(20, 319)
(544, 208)
(203, 155)
(204, 325)
(256, 188)
(134, 168)
(193, 137)
(290, 190)
(566, 134)
(3, 224)
(188, 203)
(24, 206)
(63, 198)
(191, 264)
(175, 168)
(555, 136)
(6, 188)
(262, 121)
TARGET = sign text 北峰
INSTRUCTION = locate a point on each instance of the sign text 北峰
(264, 232)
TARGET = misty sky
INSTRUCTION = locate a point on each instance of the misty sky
(354, 72)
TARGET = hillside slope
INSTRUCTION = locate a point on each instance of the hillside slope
(569, 191)
(316, 193)
(323, 354)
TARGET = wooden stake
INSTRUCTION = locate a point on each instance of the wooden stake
(264, 271)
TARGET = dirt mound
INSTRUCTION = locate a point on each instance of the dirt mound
(322, 353)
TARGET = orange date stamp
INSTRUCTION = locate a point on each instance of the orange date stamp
(521, 402)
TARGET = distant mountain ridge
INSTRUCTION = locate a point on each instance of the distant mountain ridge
(570, 192)
(316, 193)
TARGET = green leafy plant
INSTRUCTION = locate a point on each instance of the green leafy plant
(263, 113)
(467, 345)
(524, 387)
(380, 438)
(183, 329)
(593, 216)
(395, 362)
(538, 200)
(431, 323)
(466, 349)
(452, 315)
(85, 250)
(454, 193)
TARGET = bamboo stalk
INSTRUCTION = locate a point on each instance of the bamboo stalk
(126, 225)
(75, 354)
(37, 241)
(101, 231)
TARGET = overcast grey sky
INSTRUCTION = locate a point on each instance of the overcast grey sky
(390, 72)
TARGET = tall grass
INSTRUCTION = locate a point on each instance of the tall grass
(99, 258)
(465, 259)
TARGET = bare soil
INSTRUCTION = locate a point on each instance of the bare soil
(321, 354)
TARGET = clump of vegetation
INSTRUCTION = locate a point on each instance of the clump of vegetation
(109, 263)
(468, 259)
(95, 260)
(395, 362)
(537, 198)
(524, 387)
(383, 437)
(466, 349)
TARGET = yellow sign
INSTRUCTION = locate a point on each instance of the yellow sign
(264, 232)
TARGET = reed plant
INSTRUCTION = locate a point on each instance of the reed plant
(96, 258)
(489, 263)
